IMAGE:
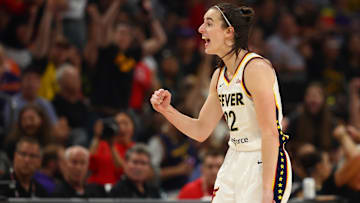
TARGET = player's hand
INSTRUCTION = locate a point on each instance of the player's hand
(160, 100)
(268, 196)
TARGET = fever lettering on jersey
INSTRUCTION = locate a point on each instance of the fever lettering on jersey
(232, 99)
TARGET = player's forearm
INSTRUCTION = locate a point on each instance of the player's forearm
(187, 125)
(270, 150)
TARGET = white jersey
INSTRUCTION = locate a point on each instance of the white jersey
(239, 179)
(239, 110)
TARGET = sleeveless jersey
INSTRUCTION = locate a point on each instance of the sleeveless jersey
(239, 110)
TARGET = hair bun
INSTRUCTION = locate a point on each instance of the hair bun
(247, 12)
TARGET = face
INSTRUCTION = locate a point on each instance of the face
(331, 49)
(27, 159)
(213, 33)
(288, 26)
(126, 126)
(138, 167)
(210, 168)
(76, 166)
(123, 36)
(30, 121)
(59, 53)
(170, 66)
(314, 99)
(71, 81)
(30, 84)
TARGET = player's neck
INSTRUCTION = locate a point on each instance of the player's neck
(232, 62)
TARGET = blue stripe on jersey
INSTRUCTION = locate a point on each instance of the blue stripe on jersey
(281, 174)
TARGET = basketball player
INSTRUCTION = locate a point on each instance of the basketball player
(245, 91)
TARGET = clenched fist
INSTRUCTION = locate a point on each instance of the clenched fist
(160, 100)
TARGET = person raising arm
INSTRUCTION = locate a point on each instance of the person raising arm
(244, 90)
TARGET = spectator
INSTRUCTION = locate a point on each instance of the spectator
(50, 167)
(116, 59)
(27, 160)
(142, 84)
(109, 149)
(345, 182)
(30, 84)
(9, 75)
(257, 43)
(314, 123)
(317, 166)
(174, 155)
(17, 40)
(283, 45)
(187, 52)
(74, 23)
(134, 183)
(70, 105)
(32, 122)
(170, 73)
(202, 188)
(76, 169)
(287, 60)
(299, 172)
(61, 52)
(330, 63)
(267, 17)
(23, 41)
(9, 85)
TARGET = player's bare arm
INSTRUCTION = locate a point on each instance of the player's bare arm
(260, 78)
(196, 128)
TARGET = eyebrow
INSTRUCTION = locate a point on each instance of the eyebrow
(208, 18)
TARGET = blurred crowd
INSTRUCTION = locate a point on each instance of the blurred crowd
(76, 77)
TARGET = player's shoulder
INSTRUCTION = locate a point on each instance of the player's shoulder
(258, 64)
(217, 72)
(258, 60)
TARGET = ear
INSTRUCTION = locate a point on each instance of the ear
(229, 31)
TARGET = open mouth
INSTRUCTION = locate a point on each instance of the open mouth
(207, 41)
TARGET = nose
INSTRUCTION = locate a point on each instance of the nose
(201, 29)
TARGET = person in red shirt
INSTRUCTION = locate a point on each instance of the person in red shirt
(202, 188)
(107, 153)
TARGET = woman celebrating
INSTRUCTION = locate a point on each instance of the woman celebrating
(257, 168)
